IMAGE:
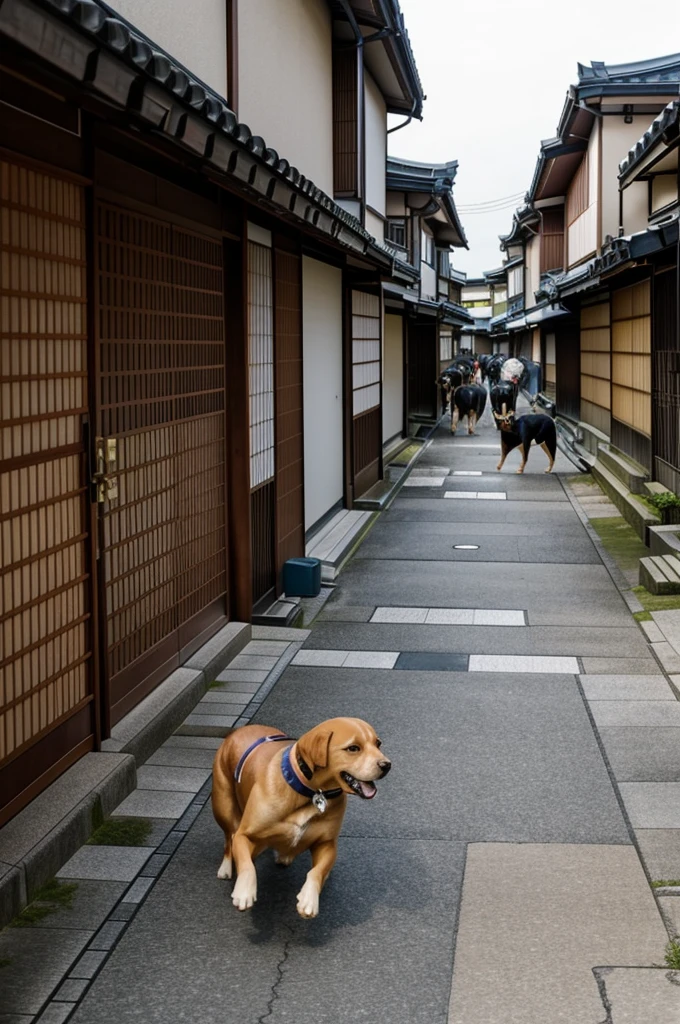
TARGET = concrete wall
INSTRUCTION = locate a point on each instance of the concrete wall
(393, 376)
(617, 138)
(285, 81)
(322, 386)
(376, 146)
(199, 41)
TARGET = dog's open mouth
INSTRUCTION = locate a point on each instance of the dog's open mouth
(366, 790)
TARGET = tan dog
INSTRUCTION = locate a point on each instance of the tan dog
(272, 791)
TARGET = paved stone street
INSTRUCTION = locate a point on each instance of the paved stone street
(495, 880)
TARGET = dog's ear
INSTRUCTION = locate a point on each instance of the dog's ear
(313, 747)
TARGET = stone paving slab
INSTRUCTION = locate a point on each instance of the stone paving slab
(670, 909)
(607, 687)
(556, 912)
(110, 863)
(652, 804)
(417, 509)
(242, 675)
(642, 995)
(207, 725)
(635, 713)
(660, 849)
(643, 754)
(621, 666)
(192, 742)
(538, 640)
(432, 584)
(417, 541)
(148, 803)
(186, 780)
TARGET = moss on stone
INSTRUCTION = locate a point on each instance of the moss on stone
(620, 540)
(656, 602)
(122, 832)
(51, 897)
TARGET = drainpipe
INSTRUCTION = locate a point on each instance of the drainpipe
(403, 123)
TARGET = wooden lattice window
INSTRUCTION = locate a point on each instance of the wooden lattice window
(260, 363)
(365, 352)
(631, 365)
(45, 654)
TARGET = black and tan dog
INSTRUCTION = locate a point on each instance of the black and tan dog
(270, 790)
(520, 431)
(468, 400)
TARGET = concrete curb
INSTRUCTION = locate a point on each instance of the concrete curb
(41, 838)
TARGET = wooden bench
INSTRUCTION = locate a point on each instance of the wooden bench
(660, 574)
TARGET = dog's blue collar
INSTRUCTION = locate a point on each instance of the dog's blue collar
(291, 777)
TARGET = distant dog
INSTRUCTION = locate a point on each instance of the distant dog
(271, 791)
(468, 400)
(448, 381)
(519, 432)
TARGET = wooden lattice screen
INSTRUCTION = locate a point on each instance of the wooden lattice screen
(290, 512)
(596, 366)
(631, 363)
(366, 362)
(45, 652)
(261, 395)
(162, 397)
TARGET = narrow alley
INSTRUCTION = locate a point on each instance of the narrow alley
(495, 877)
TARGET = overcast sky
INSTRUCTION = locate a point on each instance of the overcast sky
(495, 74)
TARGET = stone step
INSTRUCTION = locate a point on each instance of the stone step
(660, 574)
(633, 510)
(630, 473)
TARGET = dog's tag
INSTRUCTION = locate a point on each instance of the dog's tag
(320, 802)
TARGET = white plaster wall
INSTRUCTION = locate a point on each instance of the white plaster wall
(375, 226)
(197, 38)
(322, 386)
(532, 276)
(617, 138)
(376, 145)
(664, 191)
(285, 81)
(428, 278)
(393, 377)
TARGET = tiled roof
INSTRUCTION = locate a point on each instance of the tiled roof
(642, 73)
(91, 43)
(432, 179)
(666, 123)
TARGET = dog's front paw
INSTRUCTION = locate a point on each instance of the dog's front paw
(498, 467)
(244, 895)
(308, 900)
(224, 870)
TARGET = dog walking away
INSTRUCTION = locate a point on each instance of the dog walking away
(519, 432)
(272, 791)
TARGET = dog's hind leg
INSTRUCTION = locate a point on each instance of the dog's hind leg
(551, 455)
(524, 449)
(227, 815)
(454, 416)
(323, 859)
(504, 455)
(472, 420)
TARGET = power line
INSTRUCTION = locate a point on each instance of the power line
(493, 203)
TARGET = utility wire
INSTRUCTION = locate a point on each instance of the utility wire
(501, 201)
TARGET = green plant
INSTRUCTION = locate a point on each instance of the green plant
(47, 900)
(122, 832)
(664, 500)
(664, 882)
(672, 955)
(642, 616)
(656, 602)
